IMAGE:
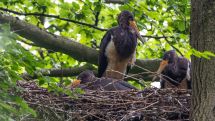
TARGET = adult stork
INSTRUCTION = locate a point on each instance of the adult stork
(117, 48)
(87, 80)
(175, 71)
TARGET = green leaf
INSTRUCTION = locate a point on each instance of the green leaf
(7, 107)
(209, 53)
(75, 6)
(181, 26)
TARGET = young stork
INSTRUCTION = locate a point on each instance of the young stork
(87, 80)
(117, 48)
(175, 71)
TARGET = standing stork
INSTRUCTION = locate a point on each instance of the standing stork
(117, 48)
(175, 71)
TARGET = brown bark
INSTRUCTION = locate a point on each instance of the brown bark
(67, 46)
(65, 72)
(203, 70)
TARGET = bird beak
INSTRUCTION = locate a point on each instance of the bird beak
(134, 26)
(75, 83)
(163, 64)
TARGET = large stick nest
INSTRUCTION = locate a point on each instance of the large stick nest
(151, 104)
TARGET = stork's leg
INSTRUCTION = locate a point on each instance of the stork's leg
(162, 83)
(189, 84)
(116, 68)
(109, 71)
(122, 66)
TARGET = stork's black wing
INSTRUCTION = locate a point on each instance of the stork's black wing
(127, 85)
(102, 57)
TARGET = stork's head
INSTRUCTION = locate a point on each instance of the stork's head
(168, 58)
(83, 78)
(126, 20)
(86, 76)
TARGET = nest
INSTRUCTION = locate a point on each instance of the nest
(151, 104)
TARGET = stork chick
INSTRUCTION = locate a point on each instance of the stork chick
(175, 71)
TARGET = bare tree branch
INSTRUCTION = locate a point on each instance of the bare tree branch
(96, 18)
(53, 16)
(166, 39)
(115, 1)
(157, 37)
(74, 21)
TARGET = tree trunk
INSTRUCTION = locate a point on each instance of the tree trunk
(203, 74)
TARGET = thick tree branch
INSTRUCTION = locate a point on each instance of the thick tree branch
(67, 72)
(138, 73)
(56, 43)
(49, 41)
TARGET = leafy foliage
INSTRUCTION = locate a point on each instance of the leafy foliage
(14, 60)
(168, 18)
(164, 23)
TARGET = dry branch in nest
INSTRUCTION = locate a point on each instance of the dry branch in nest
(149, 105)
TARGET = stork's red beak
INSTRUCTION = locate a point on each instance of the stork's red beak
(134, 26)
(75, 83)
(163, 64)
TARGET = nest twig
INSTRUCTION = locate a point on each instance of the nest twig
(149, 105)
